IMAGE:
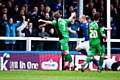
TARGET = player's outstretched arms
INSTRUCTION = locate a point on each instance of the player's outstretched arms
(72, 16)
(43, 25)
(45, 21)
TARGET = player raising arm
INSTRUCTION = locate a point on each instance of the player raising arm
(61, 26)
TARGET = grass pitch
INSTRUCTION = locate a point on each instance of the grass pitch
(59, 75)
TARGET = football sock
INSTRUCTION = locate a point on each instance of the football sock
(95, 62)
(68, 58)
(63, 56)
(101, 61)
(86, 61)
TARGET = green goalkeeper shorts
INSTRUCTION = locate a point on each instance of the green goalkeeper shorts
(64, 44)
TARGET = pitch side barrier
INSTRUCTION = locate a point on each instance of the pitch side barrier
(32, 60)
(44, 60)
(41, 60)
(30, 39)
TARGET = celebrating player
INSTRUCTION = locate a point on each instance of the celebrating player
(63, 32)
(96, 46)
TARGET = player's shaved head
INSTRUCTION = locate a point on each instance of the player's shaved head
(82, 18)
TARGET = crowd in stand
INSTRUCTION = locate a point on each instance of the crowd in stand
(20, 18)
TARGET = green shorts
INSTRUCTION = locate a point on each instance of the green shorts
(64, 44)
(103, 49)
(96, 49)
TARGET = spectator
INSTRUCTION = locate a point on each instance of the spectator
(88, 8)
(57, 5)
(22, 26)
(30, 31)
(94, 11)
(20, 34)
(47, 17)
(10, 31)
(22, 13)
(10, 8)
(41, 10)
(53, 45)
(3, 19)
(24, 8)
(52, 32)
(44, 32)
(41, 44)
(34, 16)
(48, 10)
(70, 10)
(4, 10)
(16, 12)
(74, 26)
(113, 31)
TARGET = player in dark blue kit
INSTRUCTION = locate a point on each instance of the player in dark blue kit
(83, 37)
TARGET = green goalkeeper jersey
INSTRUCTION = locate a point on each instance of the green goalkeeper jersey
(95, 33)
(62, 27)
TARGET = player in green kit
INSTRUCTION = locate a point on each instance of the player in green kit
(96, 35)
(63, 32)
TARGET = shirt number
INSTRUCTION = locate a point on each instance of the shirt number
(93, 34)
(64, 26)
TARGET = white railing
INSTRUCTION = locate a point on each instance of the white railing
(29, 39)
